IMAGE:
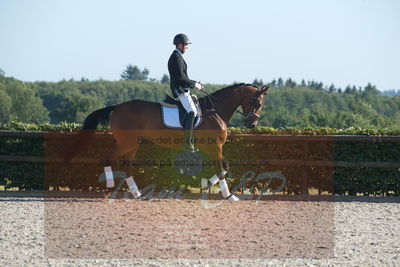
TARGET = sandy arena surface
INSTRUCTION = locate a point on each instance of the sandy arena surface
(192, 232)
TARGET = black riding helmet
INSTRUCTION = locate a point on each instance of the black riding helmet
(182, 39)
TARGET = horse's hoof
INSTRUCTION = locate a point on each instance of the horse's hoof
(136, 195)
(233, 198)
(108, 192)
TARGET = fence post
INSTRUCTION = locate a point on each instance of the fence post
(305, 169)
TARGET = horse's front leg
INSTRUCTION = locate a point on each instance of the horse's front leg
(221, 168)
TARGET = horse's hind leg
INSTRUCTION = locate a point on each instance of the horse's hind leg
(118, 150)
(125, 142)
(109, 157)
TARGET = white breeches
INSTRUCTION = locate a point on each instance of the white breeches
(188, 103)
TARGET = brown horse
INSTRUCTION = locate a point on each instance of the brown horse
(134, 121)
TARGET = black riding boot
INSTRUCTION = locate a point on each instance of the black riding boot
(188, 142)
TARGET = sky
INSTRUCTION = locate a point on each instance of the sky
(344, 42)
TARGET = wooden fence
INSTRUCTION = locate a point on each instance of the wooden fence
(306, 141)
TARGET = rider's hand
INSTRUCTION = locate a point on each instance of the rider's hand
(198, 85)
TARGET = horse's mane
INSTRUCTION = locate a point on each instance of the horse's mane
(231, 87)
(223, 91)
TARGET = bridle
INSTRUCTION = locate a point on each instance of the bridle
(250, 114)
(246, 115)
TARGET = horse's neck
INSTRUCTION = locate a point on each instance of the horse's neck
(227, 105)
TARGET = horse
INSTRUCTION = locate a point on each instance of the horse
(142, 120)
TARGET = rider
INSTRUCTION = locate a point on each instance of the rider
(181, 84)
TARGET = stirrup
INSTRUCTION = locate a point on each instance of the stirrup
(193, 149)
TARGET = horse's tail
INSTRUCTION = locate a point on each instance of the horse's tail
(89, 127)
(98, 116)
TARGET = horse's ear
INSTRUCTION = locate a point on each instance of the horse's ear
(264, 89)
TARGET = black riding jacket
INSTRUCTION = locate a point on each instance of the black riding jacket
(179, 80)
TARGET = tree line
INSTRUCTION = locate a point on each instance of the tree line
(287, 104)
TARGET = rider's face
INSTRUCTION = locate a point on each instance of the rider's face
(183, 47)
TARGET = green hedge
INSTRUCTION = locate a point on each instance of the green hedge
(367, 181)
(69, 127)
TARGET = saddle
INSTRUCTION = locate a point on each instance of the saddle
(174, 114)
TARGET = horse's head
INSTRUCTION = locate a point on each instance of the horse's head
(228, 99)
(252, 105)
